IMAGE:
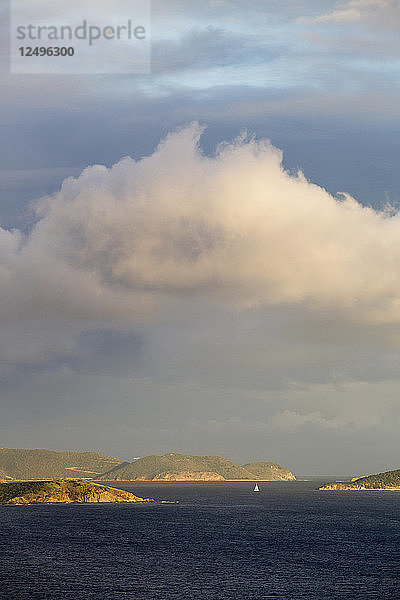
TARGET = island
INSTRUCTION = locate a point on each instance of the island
(388, 480)
(269, 471)
(20, 464)
(186, 467)
(63, 492)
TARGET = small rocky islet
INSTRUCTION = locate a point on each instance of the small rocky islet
(388, 480)
(63, 492)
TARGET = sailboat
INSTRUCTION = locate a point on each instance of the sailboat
(256, 488)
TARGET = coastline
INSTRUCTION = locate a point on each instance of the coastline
(200, 480)
(395, 489)
(65, 492)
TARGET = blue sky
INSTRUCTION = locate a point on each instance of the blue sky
(106, 348)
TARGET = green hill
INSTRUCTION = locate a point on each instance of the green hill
(269, 471)
(66, 492)
(22, 464)
(173, 467)
(3, 475)
(389, 480)
(19, 463)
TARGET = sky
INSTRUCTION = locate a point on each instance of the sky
(206, 258)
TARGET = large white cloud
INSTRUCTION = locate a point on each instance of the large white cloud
(234, 229)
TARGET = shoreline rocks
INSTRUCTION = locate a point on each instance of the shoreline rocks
(63, 492)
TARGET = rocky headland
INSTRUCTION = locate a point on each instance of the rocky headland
(64, 492)
(388, 480)
(189, 476)
(186, 467)
(269, 471)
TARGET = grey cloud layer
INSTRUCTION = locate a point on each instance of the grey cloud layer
(202, 48)
(204, 303)
(377, 12)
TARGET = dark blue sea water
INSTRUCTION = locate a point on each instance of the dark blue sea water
(222, 541)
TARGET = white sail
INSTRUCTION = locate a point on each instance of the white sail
(256, 488)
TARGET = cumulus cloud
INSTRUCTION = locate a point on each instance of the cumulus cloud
(235, 228)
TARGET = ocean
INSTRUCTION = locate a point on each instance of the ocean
(221, 541)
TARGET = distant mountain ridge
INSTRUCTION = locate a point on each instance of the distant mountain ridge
(388, 480)
(184, 467)
(20, 463)
(47, 464)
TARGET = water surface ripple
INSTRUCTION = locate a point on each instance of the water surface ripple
(221, 542)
